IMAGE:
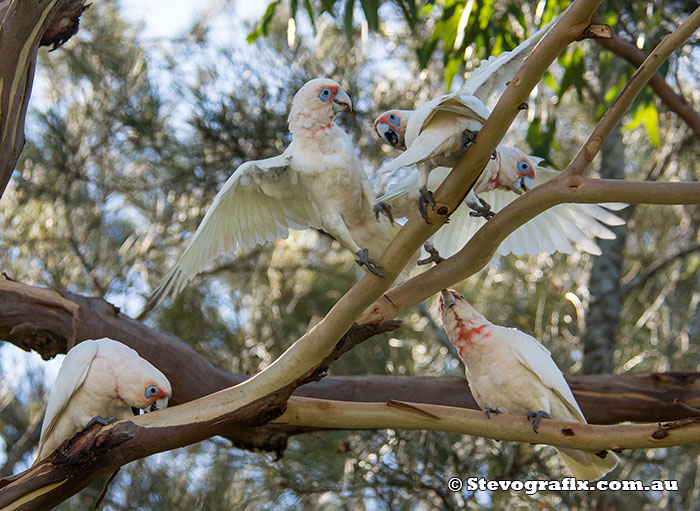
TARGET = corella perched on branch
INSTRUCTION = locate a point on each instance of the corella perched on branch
(99, 381)
(438, 132)
(510, 173)
(511, 372)
(317, 182)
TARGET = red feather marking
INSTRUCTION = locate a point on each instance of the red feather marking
(466, 333)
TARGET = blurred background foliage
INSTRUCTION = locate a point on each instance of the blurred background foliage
(130, 137)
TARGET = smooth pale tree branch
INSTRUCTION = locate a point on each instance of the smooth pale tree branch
(673, 101)
(97, 451)
(634, 86)
(406, 415)
(24, 26)
(569, 186)
(44, 321)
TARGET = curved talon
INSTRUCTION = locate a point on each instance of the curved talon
(369, 263)
(537, 416)
(484, 210)
(426, 197)
(489, 411)
(100, 420)
(433, 255)
(382, 207)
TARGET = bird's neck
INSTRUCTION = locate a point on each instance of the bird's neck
(470, 330)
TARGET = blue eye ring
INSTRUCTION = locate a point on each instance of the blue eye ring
(523, 167)
(151, 391)
(325, 94)
(394, 120)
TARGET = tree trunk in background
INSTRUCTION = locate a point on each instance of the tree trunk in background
(603, 315)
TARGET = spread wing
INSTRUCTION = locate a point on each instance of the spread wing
(537, 359)
(490, 79)
(70, 377)
(259, 203)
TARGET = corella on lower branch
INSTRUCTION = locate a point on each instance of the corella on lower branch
(511, 372)
(100, 380)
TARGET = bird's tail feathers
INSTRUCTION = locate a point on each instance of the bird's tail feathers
(587, 465)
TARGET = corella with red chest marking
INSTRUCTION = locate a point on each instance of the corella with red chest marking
(99, 380)
(317, 182)
(510, 173)
(511, 372)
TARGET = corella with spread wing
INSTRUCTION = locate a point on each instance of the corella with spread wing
(510, 173)
(317, 182)
(99, 380)
(511, 372)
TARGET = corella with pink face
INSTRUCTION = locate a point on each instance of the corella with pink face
(100, 380)
(511, 372)
(317, 182)
(511, 172)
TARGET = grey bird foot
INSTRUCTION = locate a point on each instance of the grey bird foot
(468, 136)
(489, 411)
(433, 255)
(483, 210)
(382, 207)
(363, 259)
(100, 420)
(426, 197)
(537, 416)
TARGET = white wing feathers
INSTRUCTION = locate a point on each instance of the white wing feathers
(259, 203)
(538, 360)
(493, 74)
(74, 370)
(551, 231)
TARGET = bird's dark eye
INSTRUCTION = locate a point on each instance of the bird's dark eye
(395, 120)
(325, 94)
(151, 391)
(523, 167)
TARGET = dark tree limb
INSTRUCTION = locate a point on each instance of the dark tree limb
(43, 320)
(24, 26)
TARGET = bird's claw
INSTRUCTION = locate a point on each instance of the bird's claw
(483, 210)
(363, 259)
(433, 255)
(468, 136)
(382, 207)
(489, 411)
(426, 197)
(537, 416)
(100, 420)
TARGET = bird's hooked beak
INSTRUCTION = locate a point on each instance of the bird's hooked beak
(159, 404)
(447, 299)
(342, 102)
(390, 135)
(522, 185)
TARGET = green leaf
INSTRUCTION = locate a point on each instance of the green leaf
(451, 69)
(426, 51)
(347, 19)
(541, 139)
(264, 23)
(371, 8)
(648, 115)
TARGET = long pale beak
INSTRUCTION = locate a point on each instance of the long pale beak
(159, 404)
(390, 135)
(447, 298)
(522, 185)
(342, 102)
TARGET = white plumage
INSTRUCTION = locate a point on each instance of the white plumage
(317, 182)
(99, 378)
(558, 229)
(511, 371)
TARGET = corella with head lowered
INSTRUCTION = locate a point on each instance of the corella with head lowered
(438, 132)
(99, 380)
(510, 173)
(511, 372)
(317, 182)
